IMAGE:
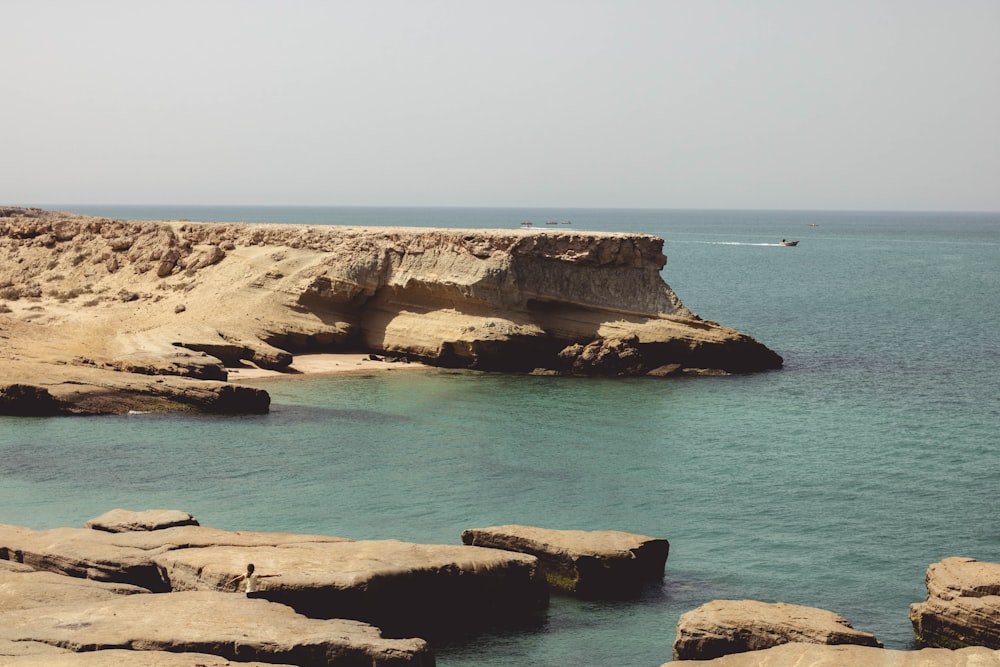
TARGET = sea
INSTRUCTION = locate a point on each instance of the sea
(833, 482)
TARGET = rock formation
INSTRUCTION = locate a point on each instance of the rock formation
(126, 521)
(405, 589)
(37, 654)
(23, 587)
(722, 627)
(962, 607)
(385, 582)
(817, 655)
(103, 315)
(46, 617)
(231, 626)
(591, 564)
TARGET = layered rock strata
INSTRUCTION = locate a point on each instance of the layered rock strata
(722, 627)
(54, 619)
(108, 315)
(815, 655)
(591, 564)
(37, 654)
(230, 626)
(406, 589)
(962, 607)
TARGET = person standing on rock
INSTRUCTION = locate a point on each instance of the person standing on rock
(250, 577)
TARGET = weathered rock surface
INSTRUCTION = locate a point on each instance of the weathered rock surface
(125, 557)
(112, 315)
(124, 521)
(722, 627)
(231, 626)
(598, 563)
(962, 607)
(36, 654)
(22, 587)
(815, 655)
(29, 401)
(407, 589)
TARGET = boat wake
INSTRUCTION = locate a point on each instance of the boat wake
(768, 245)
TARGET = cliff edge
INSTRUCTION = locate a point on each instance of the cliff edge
(93, 309)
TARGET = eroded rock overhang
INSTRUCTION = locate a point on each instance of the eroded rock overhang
(187, 300)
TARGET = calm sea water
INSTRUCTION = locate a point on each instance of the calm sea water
(833, 483)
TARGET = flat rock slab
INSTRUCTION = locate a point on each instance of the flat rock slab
(963, 577)
(722, 627)
(35, 654)
(24, 588)
(123, 557)
(123, 521)
(962, 607)
(815, 655)
(406, 589)
(593, 564)
(233, 627)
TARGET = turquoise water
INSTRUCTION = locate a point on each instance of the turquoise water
(834, 482)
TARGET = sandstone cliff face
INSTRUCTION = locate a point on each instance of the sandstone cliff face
(186, 299)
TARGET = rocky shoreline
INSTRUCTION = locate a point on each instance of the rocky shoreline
(107, 316)
(157, 588)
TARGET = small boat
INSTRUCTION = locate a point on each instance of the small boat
(552, 222)
(813, 224)
(789, 243)
(526, 224)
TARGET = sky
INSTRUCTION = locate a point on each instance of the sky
(711, 104)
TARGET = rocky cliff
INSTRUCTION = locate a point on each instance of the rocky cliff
(182, 301)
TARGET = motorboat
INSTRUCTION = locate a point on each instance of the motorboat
(789, 243)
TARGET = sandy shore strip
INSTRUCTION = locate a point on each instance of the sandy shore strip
(316, 364)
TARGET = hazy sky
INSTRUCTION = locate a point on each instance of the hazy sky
(839, 104)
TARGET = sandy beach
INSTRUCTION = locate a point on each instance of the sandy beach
(323, 364)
